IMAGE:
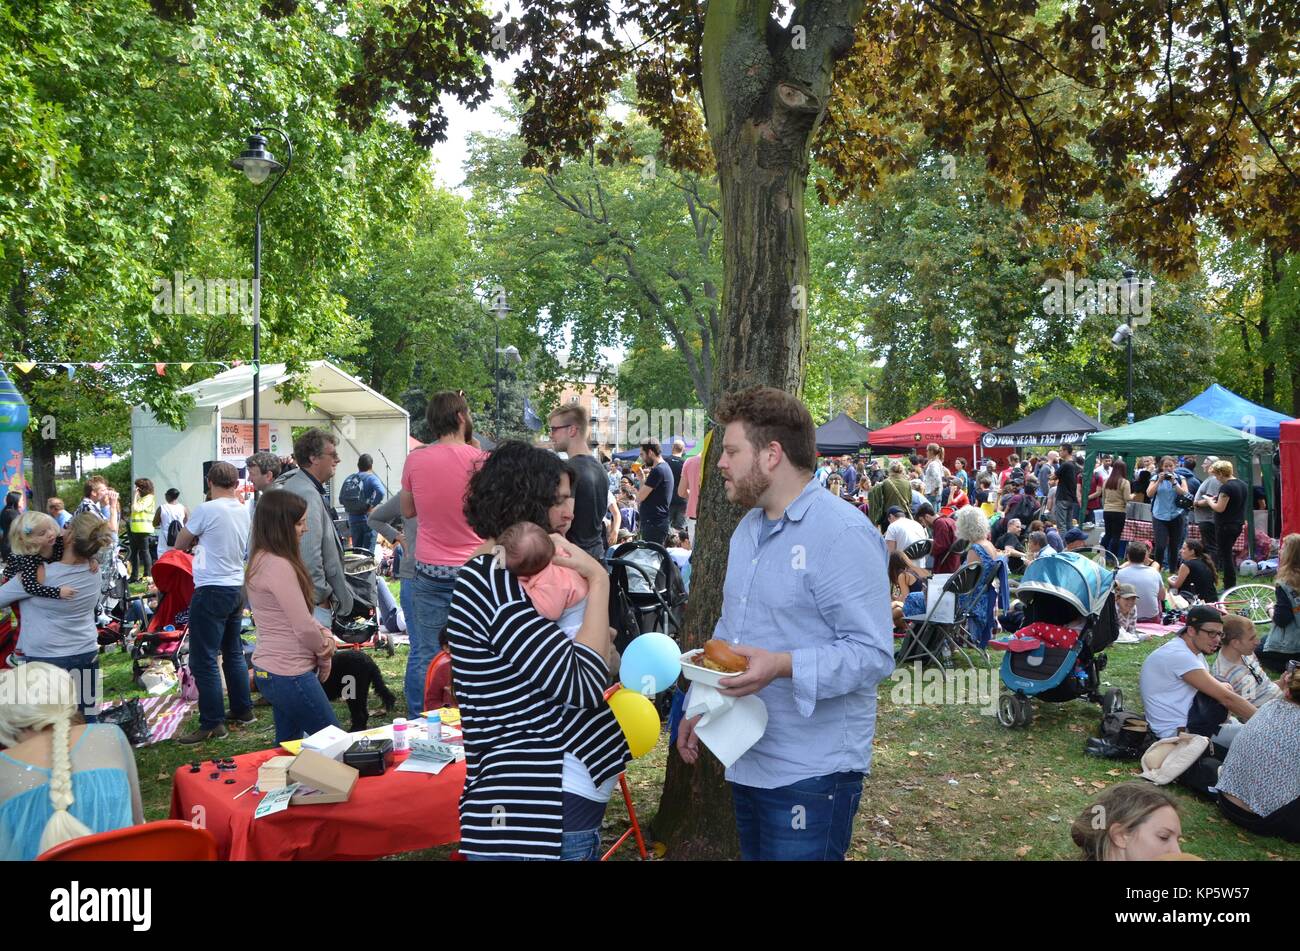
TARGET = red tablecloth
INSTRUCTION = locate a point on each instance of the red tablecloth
(395, 812)
(1137, 530)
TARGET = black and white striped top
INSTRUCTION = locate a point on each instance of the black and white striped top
(527, 695)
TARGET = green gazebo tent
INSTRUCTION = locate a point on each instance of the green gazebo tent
(1182, 433)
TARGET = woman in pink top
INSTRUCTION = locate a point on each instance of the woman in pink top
(434, 482)
(293, 651)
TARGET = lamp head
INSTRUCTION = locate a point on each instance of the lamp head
(256, 162)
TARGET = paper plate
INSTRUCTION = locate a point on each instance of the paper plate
(711, 678)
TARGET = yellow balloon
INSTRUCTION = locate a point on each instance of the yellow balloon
(638, 718)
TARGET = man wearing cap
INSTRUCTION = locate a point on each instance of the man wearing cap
(1178, 689)
(1204, 515)
(902, 531)
(1126, 599)
(1074, 539)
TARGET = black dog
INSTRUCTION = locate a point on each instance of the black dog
(352, 674)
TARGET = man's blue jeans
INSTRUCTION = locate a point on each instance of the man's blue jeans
(86, 678)
(807, 821)
(432, 599)
(363, 536)
(298, 704)
(216, 616)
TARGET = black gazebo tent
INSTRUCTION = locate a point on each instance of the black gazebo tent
(843, 435)
(1057, 422)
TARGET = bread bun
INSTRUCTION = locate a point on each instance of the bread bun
(718, 656)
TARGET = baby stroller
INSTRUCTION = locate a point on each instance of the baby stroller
(114, 601)
(646, 592)
(165, 636)
(1059, 590)
(360, 630)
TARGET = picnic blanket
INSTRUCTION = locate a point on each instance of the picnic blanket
(164, 714)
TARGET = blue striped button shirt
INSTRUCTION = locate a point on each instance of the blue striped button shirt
(814, 584)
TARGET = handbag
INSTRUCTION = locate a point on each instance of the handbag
(189, 686)
(1184, 500)
(129, 715)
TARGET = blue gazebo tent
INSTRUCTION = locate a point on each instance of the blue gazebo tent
(1227, 408)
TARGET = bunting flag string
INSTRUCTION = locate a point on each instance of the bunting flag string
(159, 366)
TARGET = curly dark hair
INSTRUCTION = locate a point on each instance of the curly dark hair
(517, 483)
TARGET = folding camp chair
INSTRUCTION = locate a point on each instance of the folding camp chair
(918, 550)
(929, 635)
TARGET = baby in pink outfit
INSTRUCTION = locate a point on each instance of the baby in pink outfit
(557, 592)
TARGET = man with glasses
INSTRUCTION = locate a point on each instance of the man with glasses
(317, 455)
(592, 497)
(1178, 689)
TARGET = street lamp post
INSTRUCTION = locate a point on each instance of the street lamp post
(1128, 289)
(500, 310)
(258, 164)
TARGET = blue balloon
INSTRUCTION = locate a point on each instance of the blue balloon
(651, 664)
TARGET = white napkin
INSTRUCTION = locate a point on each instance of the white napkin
(729, 725)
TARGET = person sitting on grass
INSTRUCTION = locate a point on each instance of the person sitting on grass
(1035, 545)
(1179, 694)
(1196, 575)
(1236, 664)
(59, 778)
(1126, 601)
(1283, 642)
(1130, 822)
(1259, 786)
(1145, 578)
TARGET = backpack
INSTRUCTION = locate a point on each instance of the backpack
(1026, 509)
(352, 495)
(173, 532)
(1124, 735)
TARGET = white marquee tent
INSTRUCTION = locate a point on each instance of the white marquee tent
(220, 427)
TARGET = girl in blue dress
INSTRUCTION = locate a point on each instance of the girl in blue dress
(59, 780)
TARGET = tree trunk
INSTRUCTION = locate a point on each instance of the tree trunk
(43, 473)
(1272, 258)
(764, 94)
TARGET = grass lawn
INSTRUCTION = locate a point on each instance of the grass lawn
(947, 781)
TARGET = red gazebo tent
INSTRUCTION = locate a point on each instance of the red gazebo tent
(1290, 474)
(956, 432)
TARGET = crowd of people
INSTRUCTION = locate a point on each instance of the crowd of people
(505, 598)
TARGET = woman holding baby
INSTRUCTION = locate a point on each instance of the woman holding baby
(542, 748)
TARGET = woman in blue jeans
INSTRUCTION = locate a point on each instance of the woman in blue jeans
(1167, 522)
(293, 651)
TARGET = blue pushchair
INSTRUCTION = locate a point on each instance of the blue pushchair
(1060, 589)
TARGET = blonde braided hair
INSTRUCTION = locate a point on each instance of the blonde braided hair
(37, 697)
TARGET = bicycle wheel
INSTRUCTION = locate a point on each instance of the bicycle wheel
(1254, 601)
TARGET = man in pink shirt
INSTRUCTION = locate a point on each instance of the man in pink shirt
(434, 481)
(689, 489)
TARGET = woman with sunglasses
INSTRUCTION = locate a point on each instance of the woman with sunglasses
(1259, 787)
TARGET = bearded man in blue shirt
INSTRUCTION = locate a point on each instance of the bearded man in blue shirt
(806, 600)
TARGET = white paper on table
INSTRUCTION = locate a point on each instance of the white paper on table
(329, 741)
(728, 725)
(414, 765)
(277, 800)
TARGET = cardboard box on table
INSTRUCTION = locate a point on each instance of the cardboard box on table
(332, 780)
